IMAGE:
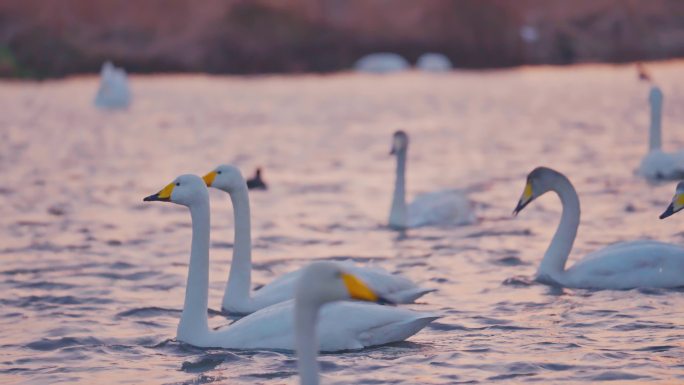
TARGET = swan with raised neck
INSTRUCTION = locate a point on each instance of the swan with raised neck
(239, 298)
(658, 164)
(622, 265)
(444, 207)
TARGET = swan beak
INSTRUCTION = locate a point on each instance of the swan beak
(668, 212)
(359, 290)
(209, 178)
(676, 205)
(525, 199)
(164, 195)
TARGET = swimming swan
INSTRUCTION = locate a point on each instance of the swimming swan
(658, 164)
(445, 207)
(321, 283)
(623, 265)
(342, 326)
(239, 298)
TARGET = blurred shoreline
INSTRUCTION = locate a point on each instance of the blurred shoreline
(40, 39)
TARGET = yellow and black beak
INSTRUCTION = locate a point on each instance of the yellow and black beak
(525, 199)
(360, 291)
(676, 205)
(164, 195)
(209, 178)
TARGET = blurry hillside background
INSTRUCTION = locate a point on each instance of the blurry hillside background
(56, 38)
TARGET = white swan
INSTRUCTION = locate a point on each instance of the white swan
(620, 266)
(239, 298)
(321, 283)
(342, 326)
(113, 92)
(446, 207)
(658, 164)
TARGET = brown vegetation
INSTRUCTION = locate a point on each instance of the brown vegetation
(54, 38)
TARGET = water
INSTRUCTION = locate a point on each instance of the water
(92, 279)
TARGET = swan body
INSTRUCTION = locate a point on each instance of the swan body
(113, 92)
(343, 325)
(658, 164)
(446, 207)
(238, 296)
(620, 266)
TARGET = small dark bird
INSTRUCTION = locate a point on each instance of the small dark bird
(643, 74)
(256, 183)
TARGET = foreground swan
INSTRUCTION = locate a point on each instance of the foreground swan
(342, 326)
(446, 207)
(239, 298)
(619, 266)
(322, 283)
(658, 164)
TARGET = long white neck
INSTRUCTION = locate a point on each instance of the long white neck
(194, 323)
(398, 216)
(557, 254)
(654, 135)
(306, 341)
(240, 278)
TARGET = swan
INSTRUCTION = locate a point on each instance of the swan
(445, 207)
(342, 326)
(658, 164)
(113, 92)
(624, 265)
(321, 283)
(256, 182)
(238, 297)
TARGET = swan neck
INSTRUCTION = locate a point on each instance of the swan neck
(557, 254)
(194, 317)
(398, 216)
(655, 133)
(306, 341)
(240, 278)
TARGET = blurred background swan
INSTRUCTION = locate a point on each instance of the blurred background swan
(622, 265)
(113, 92)
(444, 207)
(658, 164)
(239, 298)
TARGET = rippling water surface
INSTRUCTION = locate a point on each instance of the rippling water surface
(92, 279)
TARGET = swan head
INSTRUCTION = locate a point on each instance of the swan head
(677, 202)
(225, 177)
(323, 282)
(400, 142)
(539, 181)
(185, 190)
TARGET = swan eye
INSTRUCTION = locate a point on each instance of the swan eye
(177, 183)
(218, 172)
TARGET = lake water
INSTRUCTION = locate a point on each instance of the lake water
(92, 279)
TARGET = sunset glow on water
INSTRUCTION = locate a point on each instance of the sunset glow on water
(92, 278)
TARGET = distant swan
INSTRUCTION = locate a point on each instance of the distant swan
(445, 207)
(619, 266)
(113, 92)
(658, 164)
(256, 182)
(239, 297)
(342, 326)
